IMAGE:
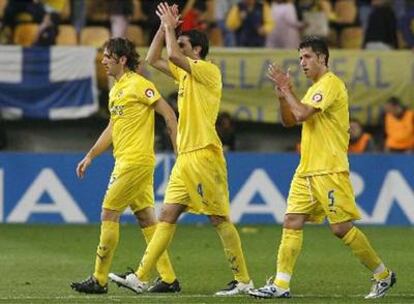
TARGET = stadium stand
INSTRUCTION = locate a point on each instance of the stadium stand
(66, 12)
(351, 38)
(97, 12)
(135, 34)
(67, 35)
(3, 4)
(26, 34)
(94, 36)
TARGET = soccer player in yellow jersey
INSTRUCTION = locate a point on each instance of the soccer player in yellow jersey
(198, 182)
(132, 102)
(321, 186)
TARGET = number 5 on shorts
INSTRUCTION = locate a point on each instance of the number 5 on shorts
(331, 198)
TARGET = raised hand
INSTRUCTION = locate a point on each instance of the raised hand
(280, 78)
(169, 15)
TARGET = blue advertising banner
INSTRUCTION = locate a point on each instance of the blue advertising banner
(43, 188)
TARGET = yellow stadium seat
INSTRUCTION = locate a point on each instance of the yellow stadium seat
(351, 38)
(346, 11)
(3, 4)
(94, 36)
(25, 34)
(67, 35)
(136, 35)
(215, 36)
(97, 11)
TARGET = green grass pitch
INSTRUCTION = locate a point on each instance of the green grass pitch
(38, 262)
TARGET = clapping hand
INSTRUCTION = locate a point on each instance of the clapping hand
(169, 15)
(280, 78)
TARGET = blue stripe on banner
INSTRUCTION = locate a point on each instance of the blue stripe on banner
(43, 188)
(37, 100)
(36, 65)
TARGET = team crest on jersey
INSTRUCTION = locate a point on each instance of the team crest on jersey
(149, 93)
(317, 97)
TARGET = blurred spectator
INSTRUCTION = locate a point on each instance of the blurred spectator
(381, 32)
(78, 15)
(251, 21)
(20, 11)
(345, 16)
(364, 9)
(221, 10)
(316, 15)
(286, 34)
(398, 127)
(46, 13)
(406, 25)
(226, 131)
(399, 7)
(120, 11)
(359, 141)
(49, 27)
(194, 15)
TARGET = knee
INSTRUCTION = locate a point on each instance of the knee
(294, 221)
(110, 215)
(170, 213)
(341, 229)
(146, 217)
(217, 219)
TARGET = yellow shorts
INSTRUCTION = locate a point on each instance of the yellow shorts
(199, 181)
(320, 196)
(131, 186)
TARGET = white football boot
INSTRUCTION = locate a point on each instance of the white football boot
(234, 288)
(129, 280)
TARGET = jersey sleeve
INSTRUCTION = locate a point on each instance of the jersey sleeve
(148, 93)
(175, 70)
(322, 95)
(205, 72)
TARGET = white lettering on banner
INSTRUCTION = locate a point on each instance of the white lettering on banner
(394, 189)
(63, 203)
(165, 160)
(258, 182)
(1, 195)
(358, 184)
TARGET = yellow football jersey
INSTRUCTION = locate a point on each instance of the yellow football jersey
(325, 136)
(199, 95)
(132, 115)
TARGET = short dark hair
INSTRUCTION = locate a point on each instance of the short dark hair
(123, 47)
(395, 101)
(198, 38)
(317, 44)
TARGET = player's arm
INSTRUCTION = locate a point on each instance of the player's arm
(167, 112)
(154, 57)
(301, 112)
(292, 110)
(286, 117)
(170, 22)
(101, 145)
